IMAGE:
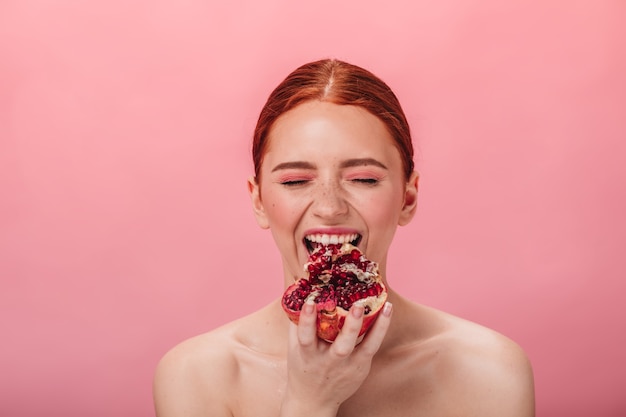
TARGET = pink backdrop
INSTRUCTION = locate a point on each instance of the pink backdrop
(125, 224)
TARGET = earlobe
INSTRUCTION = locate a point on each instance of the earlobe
(257, 204)
(410, 200)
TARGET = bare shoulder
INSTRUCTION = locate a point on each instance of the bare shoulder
(210, 374)
(195, 377)
(488, 373)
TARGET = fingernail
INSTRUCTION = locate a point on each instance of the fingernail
(309, 306)
(357, 311)
(387, 309)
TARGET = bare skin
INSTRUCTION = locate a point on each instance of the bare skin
(437, 365)
(334, 170)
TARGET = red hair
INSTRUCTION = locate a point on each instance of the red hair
(336, 82)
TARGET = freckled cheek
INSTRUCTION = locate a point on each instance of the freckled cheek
(280, 210)
(381, 210)
(381, 213)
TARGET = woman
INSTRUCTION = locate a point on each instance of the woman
(333, 156)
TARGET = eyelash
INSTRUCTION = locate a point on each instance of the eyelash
(293, 183)
(365, 181)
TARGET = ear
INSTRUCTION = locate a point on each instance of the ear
(257, 204)
(409, 205)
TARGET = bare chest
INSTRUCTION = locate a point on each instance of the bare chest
(388, 391)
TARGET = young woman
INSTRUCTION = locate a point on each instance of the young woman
(334, 160)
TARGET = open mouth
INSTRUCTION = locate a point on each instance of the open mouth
(313, 242)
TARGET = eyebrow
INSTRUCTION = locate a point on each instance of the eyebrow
(293, 165)
(348, 163)
(356, 162)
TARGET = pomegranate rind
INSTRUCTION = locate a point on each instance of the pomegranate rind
(331, 320)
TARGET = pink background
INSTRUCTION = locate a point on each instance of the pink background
(125, 223)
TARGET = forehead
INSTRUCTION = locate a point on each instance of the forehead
(328, 130)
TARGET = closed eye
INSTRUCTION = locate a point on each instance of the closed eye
(293, 183)
(369, 181)
(294, 179)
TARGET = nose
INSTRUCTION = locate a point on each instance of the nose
(329, 201)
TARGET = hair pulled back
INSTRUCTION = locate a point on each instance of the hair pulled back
(336, 82)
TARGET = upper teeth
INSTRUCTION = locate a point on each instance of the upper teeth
(332, 239)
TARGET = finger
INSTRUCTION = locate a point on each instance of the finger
(307, 330)
(374, 337)
(347, 337)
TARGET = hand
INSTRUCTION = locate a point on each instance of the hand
(323, 375)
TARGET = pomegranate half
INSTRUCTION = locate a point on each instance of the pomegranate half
(338, 276)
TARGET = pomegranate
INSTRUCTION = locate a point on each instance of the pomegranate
(339, 276)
